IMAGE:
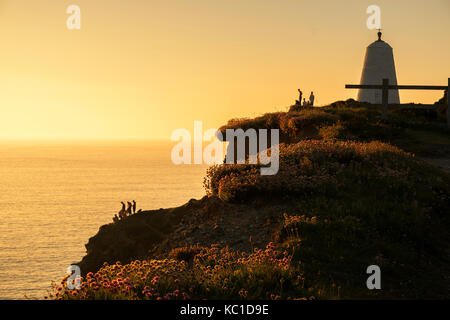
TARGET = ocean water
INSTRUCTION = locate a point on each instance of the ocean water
(55, 196)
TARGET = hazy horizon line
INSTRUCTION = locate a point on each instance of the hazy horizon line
(8, 141)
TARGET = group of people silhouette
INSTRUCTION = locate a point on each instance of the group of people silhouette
(305, 103)
(123, 213)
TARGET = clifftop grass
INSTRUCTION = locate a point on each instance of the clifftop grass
(354, 204)
(315, 167)
(351, 120)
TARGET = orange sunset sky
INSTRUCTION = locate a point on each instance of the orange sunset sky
(139, 69)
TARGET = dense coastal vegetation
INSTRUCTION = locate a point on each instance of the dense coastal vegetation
(353, 190)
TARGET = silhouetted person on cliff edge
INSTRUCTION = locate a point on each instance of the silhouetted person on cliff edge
(134, 207)
(116, 218)
(129, 208)
(299, 102)
(122, 212)
(311, 99)
(304, 102)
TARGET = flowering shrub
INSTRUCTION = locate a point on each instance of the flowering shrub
(333, 132)
(185, 253)
(316, 166)
(290, 124)
(292, 225)
(217, 273)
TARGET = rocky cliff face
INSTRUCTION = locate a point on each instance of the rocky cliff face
(207, 221)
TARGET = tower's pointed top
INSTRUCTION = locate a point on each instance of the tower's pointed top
(379, 35)
(379, 43)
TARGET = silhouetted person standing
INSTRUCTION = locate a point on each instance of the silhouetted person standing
(300, 98)
(134, 207)
(122, 211)
(304, 102)
(311, 99)
(129, 207)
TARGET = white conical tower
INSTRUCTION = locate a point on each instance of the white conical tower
(378, 65)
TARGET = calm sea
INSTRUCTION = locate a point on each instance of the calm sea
(55, 196)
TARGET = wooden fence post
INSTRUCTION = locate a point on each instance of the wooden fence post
(448, 104)
(385, 98)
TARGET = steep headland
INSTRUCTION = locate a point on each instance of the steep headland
(353, 190)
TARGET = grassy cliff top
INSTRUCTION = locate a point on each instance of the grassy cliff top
(414, 128)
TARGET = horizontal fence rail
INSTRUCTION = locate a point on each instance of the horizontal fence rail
(385, 87)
